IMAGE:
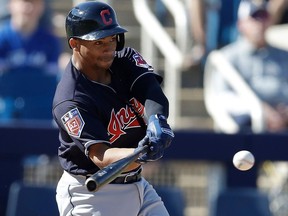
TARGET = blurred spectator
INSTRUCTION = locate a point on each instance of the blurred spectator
(29, 54)
(161, 12)
(262, 66)
(24, 43)
(4, 13)
(213, 25)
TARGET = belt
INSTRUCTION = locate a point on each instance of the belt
(127, 178)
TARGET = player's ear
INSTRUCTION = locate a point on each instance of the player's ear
(74, 44)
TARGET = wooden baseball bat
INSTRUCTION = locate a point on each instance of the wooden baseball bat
(113, 170)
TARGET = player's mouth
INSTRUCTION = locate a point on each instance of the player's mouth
(107, 58)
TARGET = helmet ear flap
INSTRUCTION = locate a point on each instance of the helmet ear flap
(120, 41)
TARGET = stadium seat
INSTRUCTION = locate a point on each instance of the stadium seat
(173, 199)
(31, 200)
(242, 201)
(27, 95)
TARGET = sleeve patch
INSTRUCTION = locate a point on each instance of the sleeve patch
(73, 122)
(140, 62)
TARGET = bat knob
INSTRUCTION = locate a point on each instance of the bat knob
(91, 185)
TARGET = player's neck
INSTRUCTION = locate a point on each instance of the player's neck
(103, 77)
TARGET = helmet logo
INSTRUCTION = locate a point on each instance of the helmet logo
(106, 18)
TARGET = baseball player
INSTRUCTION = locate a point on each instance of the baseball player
(108, 100)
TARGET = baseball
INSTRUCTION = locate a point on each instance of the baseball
(243, 160)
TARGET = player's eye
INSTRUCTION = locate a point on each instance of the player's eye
(113, 38)
(105, 41)
(98, 42)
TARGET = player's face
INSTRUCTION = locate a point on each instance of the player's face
(99, 54)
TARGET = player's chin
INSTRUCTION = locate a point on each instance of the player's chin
(106, 63)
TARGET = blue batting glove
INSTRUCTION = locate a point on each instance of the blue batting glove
(160, 136)
(159, 131)
(152, 154)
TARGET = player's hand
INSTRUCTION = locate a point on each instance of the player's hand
(159, 131)
(154, 152)
(159, 135)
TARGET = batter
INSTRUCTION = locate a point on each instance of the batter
(108, 100)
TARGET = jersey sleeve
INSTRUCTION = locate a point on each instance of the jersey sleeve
(144, 83)
(82, 127)
(131, 65)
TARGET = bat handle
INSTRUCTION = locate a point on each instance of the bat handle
(101, 177)
(141, 150)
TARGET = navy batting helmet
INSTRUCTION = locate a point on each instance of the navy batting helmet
(92, 21)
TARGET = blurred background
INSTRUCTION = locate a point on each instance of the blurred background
(183, 40)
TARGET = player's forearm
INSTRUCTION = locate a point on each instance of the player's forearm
(104, 156)
(153, 97)
(153, 107)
